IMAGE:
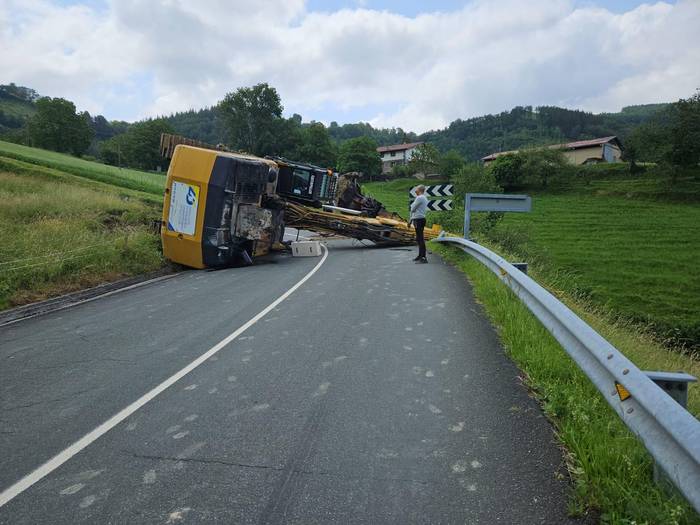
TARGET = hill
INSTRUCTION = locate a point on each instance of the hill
(527, 126)
(16, 106)
(473, 138)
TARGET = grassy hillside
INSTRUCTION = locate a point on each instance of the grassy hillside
(150, 183)
(15, 111)
(61, 232)
(632, 257)
(16, 108)
(393, 194)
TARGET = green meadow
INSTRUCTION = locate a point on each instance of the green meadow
(152, 183)
(65, 229)
(632, 257)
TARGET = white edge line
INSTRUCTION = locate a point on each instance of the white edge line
(63, 456)
(100, 296)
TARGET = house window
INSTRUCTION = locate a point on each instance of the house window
(393, 154)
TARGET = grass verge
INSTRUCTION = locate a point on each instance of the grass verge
(60, 235)
(152, 183)
(611, 470)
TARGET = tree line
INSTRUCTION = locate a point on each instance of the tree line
(251, 119)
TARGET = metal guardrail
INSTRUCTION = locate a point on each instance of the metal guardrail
(669, 432)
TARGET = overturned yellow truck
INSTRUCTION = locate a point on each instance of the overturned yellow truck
(222, 208)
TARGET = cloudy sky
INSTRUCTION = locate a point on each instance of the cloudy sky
(417, 65)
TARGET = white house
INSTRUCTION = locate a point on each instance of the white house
(397, 154)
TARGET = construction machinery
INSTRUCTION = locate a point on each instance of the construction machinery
(224, 208)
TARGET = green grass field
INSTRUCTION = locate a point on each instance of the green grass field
(61, 232)
(152, 183)
(636, 258)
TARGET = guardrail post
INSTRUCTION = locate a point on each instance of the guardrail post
(675, 384)
(467, 214)
(522, 266)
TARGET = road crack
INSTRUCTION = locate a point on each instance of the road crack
(47, 401)
(202, 460)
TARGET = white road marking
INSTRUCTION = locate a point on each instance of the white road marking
(59, 459)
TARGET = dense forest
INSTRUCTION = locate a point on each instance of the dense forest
(473, 138)
(527, 126)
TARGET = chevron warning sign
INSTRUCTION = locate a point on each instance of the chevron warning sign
(437, 204)
(440, 205)
(439, 190)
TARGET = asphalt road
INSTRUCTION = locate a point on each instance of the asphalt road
(377, 392)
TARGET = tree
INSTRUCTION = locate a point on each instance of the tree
(450, 164)
(57, 126)
(539, 166)
(317, 147)
(289, 137)
(251, 115)
(685, 132)
(425, 159)
(139, 147)
(19, 92)
(508, 170)
(360, 154)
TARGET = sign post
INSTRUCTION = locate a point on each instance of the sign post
(493, 202)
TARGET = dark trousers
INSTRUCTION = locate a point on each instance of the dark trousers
(420, 226)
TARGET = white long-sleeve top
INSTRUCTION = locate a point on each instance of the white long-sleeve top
(419, 207)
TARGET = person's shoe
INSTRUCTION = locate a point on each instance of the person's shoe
(416, 258)
(421, 260)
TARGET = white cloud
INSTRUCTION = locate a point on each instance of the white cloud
(145, 57)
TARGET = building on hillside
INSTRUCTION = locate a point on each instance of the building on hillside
(397, 154)
(593, 151)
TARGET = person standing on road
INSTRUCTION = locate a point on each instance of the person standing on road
(418, 208)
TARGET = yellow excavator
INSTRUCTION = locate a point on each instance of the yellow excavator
(225, 208)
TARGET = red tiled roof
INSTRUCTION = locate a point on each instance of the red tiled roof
(398, 147)
(571, 145)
